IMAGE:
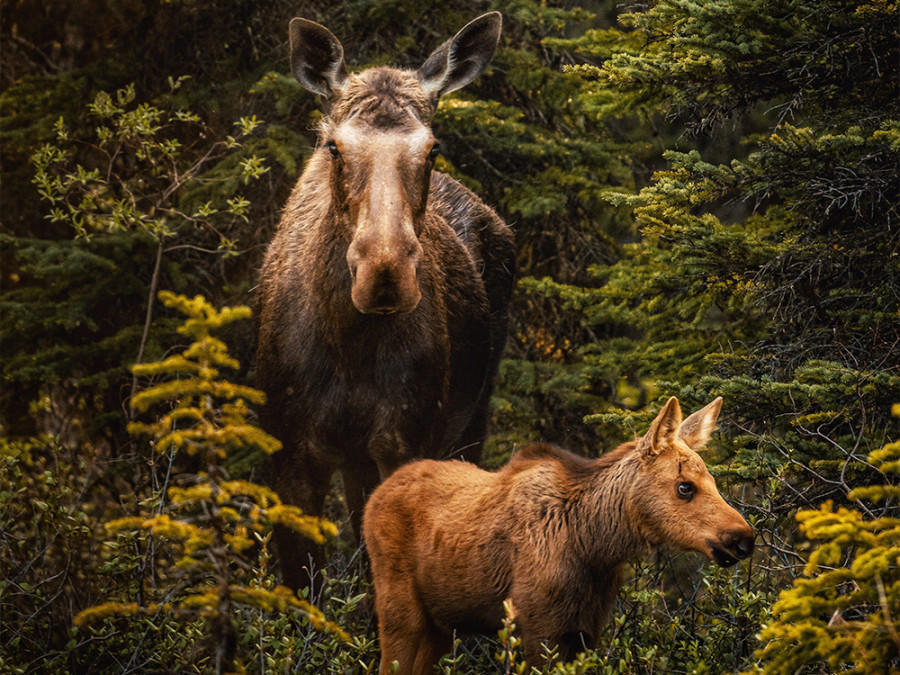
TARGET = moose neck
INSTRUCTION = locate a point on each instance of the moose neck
(606, 532)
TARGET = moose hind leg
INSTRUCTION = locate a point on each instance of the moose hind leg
(406, 633)
(432, 646)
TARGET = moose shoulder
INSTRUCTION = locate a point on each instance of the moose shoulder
(382, 301)
(450, 542)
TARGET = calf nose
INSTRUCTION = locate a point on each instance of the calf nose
(744, 547)
(740, 543)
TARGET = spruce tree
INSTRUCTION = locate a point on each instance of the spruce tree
(198, 531)
(769, 276)
(771, 279)
(843, 613)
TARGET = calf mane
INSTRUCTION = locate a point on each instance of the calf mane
(574, 464)
(540, 452)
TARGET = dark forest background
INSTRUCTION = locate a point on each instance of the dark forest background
(705, 198)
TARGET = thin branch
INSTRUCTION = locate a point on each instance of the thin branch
(154, 282)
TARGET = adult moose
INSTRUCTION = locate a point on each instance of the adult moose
(449, 542)
(382, 302)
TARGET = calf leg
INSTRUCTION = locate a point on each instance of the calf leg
(539, 625)
(431, 647)
(416, 647)
(405, 632)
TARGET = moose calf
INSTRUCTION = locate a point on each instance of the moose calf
(449, 542)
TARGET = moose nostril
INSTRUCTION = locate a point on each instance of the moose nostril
(740, 543)
(414, 252)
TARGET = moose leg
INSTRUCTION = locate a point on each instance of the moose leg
(303, 483)
(411, 641)
(471, 442)
(540, 623)
(431, 647)
(360, 480)
(535, 657)
(569, 632)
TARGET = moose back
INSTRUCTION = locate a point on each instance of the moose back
(551, 531)
(382, 300)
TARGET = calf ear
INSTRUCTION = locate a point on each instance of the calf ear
(317, 57)
(663, 429)
(461, 59)
(696, 429)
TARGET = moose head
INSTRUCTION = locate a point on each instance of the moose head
(679, 503)
(380, 149)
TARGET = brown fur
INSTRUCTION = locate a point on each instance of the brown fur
(383, 296)
(551, 531)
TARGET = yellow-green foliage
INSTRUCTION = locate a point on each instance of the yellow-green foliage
(845, 609)
(165, 166)
(209, 519)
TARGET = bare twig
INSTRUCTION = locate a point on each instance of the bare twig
(154, 282)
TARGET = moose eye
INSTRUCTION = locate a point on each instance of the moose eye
(333, 149)
(686, 491)
(435, 151)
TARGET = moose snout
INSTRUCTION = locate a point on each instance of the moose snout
(732, 546)
(744, 547)
(384, 276)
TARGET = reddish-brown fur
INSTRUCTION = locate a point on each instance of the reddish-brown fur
(383, 296)
(551, 531)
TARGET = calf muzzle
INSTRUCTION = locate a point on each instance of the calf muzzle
(732, 546)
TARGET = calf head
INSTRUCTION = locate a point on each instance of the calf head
(675, 496)
(378, 147)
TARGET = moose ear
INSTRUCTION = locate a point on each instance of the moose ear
(461, 59)
(696, 429)
(317, 58)
(664, 428)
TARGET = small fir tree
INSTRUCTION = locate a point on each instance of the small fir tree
(213, 521)
(843, 613)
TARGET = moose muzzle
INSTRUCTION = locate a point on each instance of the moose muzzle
(733, 546)
(384, 273)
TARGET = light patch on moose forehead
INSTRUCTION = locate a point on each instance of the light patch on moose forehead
(353, 138)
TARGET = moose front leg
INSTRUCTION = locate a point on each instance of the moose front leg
(303, 481)
(390, 450)
(360, 480)
(408, 637)
(547, 619)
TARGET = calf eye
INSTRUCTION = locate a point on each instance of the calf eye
(435, 151)
(686, 491)
(333, 149)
